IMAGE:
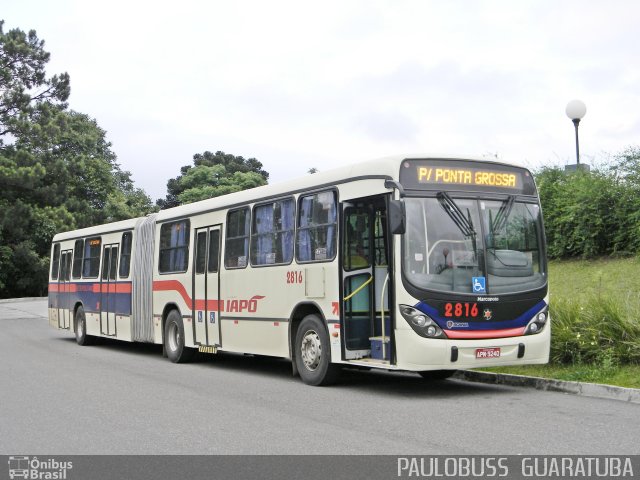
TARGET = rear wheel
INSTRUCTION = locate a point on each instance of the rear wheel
(81, 328)
(313, 353)
(174, 339)
(437, 374)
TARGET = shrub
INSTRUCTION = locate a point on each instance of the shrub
(599, 331)
(588, 214)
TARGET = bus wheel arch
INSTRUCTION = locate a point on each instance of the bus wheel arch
(173, 336)
(80, 326)
(75, 311)
(311, 347)
(299, 312)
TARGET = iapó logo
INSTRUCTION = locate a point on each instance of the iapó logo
(35, 469)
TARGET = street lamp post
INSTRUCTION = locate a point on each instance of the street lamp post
(576, 109)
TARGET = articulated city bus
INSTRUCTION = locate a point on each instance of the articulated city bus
(423, 264)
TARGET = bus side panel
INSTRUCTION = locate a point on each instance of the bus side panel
(258, 302)
(173, 289)
(123, 327)
(255, 303)
(53, 309)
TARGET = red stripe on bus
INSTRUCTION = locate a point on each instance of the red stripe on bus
(62, 287)
(176, 286)
(121, 287)
(112, 288)
(507, 332)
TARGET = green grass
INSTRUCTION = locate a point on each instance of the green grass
(595, 315)
(579, 280)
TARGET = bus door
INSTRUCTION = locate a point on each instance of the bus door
(64, 295)
(365, 270)
(108, 289)
(206, 286)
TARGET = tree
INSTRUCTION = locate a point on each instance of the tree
(57, 169)
(213, 175)
(24, 87)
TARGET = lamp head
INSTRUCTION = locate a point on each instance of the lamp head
(576, 109)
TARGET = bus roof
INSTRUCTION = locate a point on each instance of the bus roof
(97, 230)
(386, 167)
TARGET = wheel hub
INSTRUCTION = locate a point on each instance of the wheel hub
(311, 350)
(174, 337)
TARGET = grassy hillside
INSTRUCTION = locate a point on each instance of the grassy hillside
(595, 314)
(581, 280)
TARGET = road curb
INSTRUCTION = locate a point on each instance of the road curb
(610, 392)
(23, 299)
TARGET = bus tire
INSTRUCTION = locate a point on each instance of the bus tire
(313, 353)
(81, 328)
(174, 341)
(437, 374)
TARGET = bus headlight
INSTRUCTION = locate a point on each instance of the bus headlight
(538, 322)
(419, 320)
(421, 323)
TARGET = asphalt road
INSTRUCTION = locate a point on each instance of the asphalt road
(119, 398)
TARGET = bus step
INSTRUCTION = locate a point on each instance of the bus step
(208, 349)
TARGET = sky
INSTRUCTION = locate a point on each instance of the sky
(299, 84)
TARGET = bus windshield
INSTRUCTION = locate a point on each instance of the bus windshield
(473, 246)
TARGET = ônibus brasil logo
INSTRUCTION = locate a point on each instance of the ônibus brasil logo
(33, 468)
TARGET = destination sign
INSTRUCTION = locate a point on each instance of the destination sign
(465, 175)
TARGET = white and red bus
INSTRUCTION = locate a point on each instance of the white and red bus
(424, 264)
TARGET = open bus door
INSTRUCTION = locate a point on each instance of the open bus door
(365, 279)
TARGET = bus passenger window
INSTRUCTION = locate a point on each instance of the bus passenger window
(174, 247)
(91, 261)
(316, 236)
(125, 254)
(272, 233)
(237, 243)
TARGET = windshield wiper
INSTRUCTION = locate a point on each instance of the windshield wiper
(463, 223)
(502, 216)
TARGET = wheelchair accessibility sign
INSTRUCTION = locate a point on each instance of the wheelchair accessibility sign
(479, 284)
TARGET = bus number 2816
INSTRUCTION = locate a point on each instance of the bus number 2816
(294, 277)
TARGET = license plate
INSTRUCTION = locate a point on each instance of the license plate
(487, 352)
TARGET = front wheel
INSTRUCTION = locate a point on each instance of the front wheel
(81, 328)
(174, 339)
(313, 353)
(437, 374)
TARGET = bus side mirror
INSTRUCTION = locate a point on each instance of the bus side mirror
(397, 217)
